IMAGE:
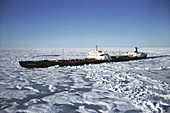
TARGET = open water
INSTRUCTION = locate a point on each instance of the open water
(117, 87)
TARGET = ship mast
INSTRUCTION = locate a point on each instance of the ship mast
(62, 54)
(96, 48)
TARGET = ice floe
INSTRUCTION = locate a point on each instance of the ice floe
(133, 86)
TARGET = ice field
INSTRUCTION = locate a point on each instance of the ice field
(117, 87)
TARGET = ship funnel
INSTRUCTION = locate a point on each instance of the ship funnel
(136, 49)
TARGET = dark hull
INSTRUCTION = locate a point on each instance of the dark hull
(73, 62)
(126, 58)
(77, 62)
(38, 64)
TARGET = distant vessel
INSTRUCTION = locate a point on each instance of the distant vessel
(93, 57)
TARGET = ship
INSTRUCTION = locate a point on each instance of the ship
(94, 57)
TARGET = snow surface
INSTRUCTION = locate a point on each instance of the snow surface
(132, 86)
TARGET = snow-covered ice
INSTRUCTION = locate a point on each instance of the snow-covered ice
(132, 86)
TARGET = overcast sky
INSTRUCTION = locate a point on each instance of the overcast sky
(84, 23)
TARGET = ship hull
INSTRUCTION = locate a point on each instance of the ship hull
(38, 64)
(74, 62)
